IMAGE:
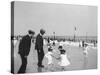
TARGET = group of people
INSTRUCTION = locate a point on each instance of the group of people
(62, 57)
(24, 49)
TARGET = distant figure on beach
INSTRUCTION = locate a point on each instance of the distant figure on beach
(39, 47)
(14, 41)
(85, 50)
(79, 43)
(85, 53)
(83, 43)
(64, 58)
(48, 40)
(24, 49)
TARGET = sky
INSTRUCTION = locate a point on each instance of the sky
(58, 18)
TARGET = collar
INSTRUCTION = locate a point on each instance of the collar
(41, 34)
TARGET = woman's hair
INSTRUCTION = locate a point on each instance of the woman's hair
(62, 51)
(60, 47)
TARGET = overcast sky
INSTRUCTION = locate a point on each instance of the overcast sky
(58, 18)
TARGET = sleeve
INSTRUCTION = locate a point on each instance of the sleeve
(21, 46)
(46, 55)
(86, 48)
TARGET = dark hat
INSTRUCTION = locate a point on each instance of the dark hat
(31, 32)
(42, 31)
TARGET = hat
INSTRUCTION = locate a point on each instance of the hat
(31, 32)
(42, 31)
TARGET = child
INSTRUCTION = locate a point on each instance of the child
(48, 55)
(85, 50)
(64, 58)
(85, 53)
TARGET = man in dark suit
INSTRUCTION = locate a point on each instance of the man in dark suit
(39, 47)
(24, 49)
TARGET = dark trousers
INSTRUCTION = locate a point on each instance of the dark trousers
(24, 64)
(40, 57)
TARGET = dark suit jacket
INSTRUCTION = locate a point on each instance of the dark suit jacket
(39, 42)
(24, 45)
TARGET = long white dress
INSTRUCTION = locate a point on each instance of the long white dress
(64, 60)
(49, 57)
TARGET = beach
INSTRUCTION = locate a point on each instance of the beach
(77, 59)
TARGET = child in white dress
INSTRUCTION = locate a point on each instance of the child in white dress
(63, 58)
(85, 50)
(85, 53)
(49, 57)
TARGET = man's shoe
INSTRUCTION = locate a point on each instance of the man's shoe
(41, 66)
